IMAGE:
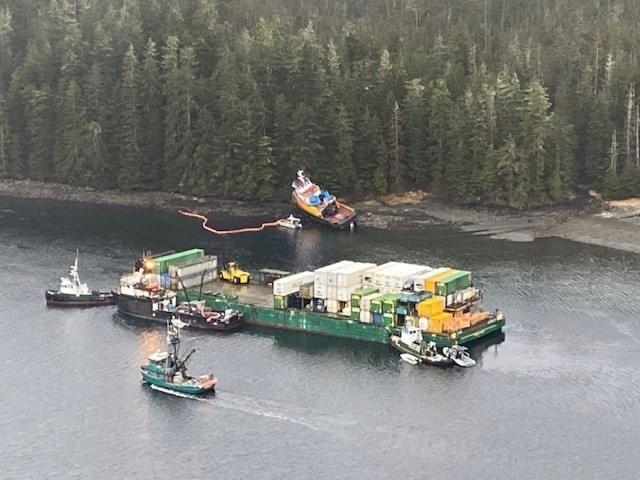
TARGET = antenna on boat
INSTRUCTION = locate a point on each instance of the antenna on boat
(201, 282)
(184, 289)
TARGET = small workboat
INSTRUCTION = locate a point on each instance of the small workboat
(409, 358)
(72, 293)
(459, 355)
(291, 222)
(169, 371)
(410, 343)
(319, 204)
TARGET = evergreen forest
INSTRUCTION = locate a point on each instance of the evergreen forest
(516, 103)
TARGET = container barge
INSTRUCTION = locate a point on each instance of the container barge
(353, 300)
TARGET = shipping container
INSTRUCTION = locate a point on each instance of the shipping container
(321, 280)
(332, 306)
(418, 282)
(351, 275)
(457, 280)
(377, 318)
(193, 281)
(292, 283)
(396, 276)
(306, 291)
(359, 293)
(431, 281)
(431, 306)
(161, 264)
(194, 266)
(280, 302)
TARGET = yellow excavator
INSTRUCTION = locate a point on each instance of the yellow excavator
(234, 274)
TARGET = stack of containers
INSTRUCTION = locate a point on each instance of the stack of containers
(160, 265)
(375, 307)
(393, 276)
(456, 280)
(389, 305)
(191, 273)
(284, 287)
(348, 280)
(356, 301)
(324, 291)
(434, 277)
(418, 282)
(365, 306)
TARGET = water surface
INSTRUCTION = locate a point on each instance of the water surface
(558, 398)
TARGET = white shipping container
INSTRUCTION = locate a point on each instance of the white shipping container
(194, 266)
(332, 306)
(344, 293)
(193, 281)
(321, 274)
(320, 290)
(365, 302)
(418, 282)
(291, 284)
(352, 274)
(365, 316)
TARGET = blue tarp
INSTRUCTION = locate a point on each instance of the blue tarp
(415, 297)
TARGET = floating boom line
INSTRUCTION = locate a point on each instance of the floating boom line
(205, 220)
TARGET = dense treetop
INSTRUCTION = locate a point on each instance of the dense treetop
(499, 102)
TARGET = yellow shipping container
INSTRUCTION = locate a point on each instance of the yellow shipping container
(430, 282)
(431, 306)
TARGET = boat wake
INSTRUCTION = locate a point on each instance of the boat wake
(261, 408)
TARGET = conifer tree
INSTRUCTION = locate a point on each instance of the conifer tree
(129, 177)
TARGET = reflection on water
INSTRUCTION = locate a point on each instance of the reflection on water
(556, 395)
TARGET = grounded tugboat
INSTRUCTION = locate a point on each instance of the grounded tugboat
(319, 204)
(410, 344)
(168, 370)
(72, 293)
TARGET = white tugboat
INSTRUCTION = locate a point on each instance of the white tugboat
(72, 293)
(410, 344)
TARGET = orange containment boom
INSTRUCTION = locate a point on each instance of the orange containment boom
(205, 220)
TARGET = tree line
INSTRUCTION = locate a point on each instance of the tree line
(498, 102)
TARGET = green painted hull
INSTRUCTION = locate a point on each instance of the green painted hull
(344, 327)
(466, 336)
(302, 321)
(188, 389)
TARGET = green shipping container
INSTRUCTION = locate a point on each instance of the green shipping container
(359, 293)
(161, 265)
(457, 281)
(389, 319)
(390, 302)
(279, 302)
(376, 304)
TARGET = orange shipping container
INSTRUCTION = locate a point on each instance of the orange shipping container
(430, 282)
(439, 322)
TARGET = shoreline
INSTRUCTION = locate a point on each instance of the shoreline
(608, 224)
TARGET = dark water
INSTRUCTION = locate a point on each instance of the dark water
(559, 398)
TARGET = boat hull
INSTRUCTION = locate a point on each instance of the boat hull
(324, 324)
(343, 219)
(140, 308)
(65, 300)
(179, 387)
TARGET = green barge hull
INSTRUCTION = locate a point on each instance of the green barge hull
(301, 320)
(343, 327)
